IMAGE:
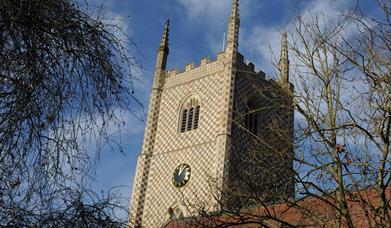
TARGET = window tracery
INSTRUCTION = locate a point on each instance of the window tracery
(190, 115)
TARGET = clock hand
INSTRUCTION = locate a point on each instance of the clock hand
(181, 170)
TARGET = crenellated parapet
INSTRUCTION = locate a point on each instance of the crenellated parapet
(192, 66)
(205, 61)
(191, 73)
(206, 67)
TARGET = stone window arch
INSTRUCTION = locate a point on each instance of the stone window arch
(190, 114)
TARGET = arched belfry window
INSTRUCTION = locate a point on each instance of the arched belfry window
(190, 115)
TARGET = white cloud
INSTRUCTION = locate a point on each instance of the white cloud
(116, 22)
(215, 12)
(202, 9)
(260, 42)
(125, 125)
(265, 41)
(331, 8)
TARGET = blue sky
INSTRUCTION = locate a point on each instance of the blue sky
(197, 29)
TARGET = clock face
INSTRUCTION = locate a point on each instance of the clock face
(181, 175)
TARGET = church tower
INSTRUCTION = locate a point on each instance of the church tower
(207, 123)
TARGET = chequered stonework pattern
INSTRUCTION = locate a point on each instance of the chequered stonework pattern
(138, 187)
(161, 192)
(204, 149)
(208, 89)
(271, 150)
(218, 148)
(196, 148)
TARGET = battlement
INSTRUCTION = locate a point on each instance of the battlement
(204, 62)
(191, 66)
(193, 72)
(207, 67)
(248, 68)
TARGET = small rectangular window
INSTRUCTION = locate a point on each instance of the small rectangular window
(251, 121)
(196, 117)
(255, 124)
(190, 119)
(184, 120)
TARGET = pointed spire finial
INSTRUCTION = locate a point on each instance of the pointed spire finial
(233, 26)
(235, 9)
(284, 46)
(163, 48)
(165, 37)
(284, 59)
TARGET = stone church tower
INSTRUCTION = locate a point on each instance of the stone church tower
(221, 121)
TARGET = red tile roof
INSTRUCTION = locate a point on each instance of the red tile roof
(314, 211)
